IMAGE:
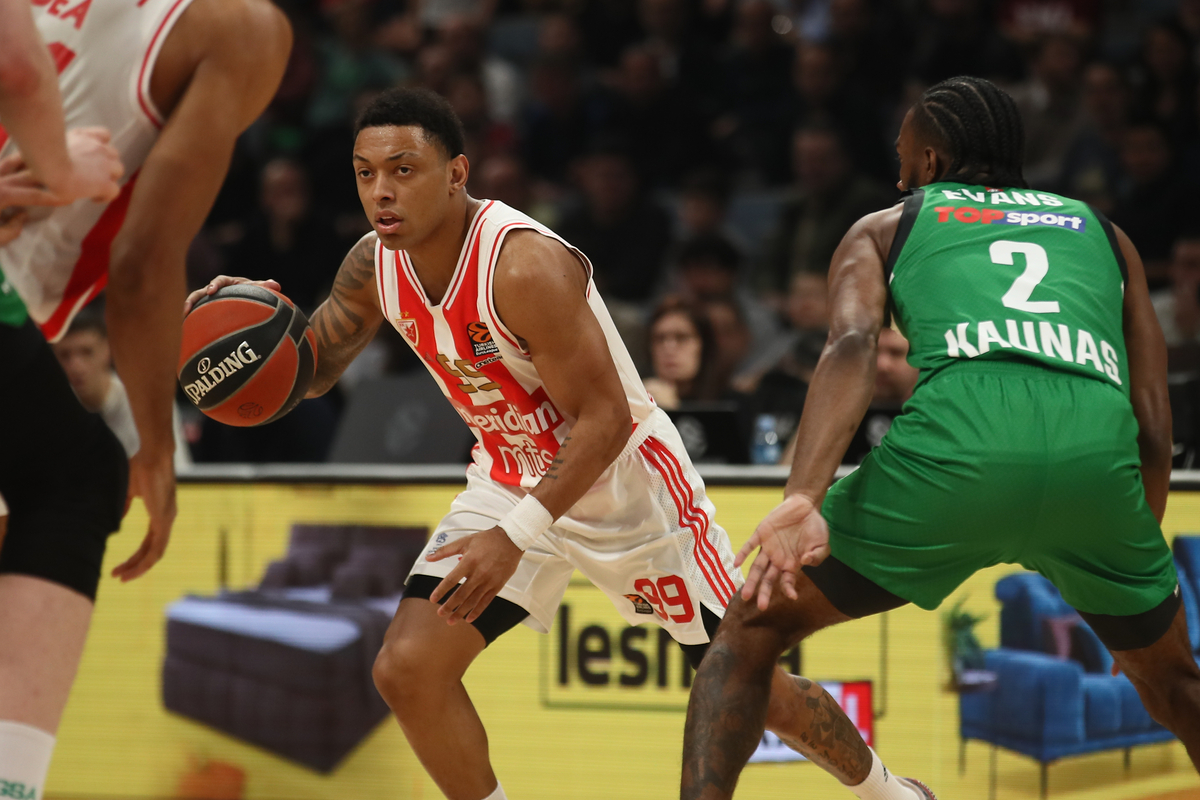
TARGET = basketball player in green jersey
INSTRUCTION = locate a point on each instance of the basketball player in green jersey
(1039, 434)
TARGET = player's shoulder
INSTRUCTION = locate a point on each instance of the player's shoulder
(246, 29)
(530, 261)
(878, 227)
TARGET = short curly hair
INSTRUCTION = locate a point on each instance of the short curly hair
(420, 107)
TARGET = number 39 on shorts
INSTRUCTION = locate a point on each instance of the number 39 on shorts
(669, 596)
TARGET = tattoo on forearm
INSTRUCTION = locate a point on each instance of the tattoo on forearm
(552, 473)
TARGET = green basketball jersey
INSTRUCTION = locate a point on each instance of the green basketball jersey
(12, 310)
(979, 273)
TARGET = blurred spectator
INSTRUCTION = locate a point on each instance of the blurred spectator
(830, 196)
(1154, 201)
(463, 39)
(559, 36)
(84, 355)
(608, 27)
(557, 123)
(732, 340)
(349, 63)
(1051, 107)
(754, 88)
(872, 41)
(1026, 21)
(682, 355)
(642, 108)
(687, 61)
(806, 309)
(1091, 168)
(435, 67)
(895, 380)
(708, 268)
(956, 37)
(484, 137)
(821, 98)
(704, 205)
(1178, 305)
(504, 178)
(1165, 81)
(287, 239)
(623, 233)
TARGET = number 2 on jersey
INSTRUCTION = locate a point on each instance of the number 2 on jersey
(1036, 267)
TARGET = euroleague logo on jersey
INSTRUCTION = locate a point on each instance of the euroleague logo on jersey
(481, 339)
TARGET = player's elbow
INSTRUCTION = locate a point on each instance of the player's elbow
(852, 344)
(617, 424)
(19, 74)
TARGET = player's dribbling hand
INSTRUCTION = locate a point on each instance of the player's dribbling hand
(152, 478)
(220, 282)
(793, 535)
(489, 559)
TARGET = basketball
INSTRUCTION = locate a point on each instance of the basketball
(248, 355)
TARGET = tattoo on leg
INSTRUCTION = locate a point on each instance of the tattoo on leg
(726, 714)
(819, 729)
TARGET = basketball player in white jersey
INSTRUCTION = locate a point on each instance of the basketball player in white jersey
(176, 81)
(83, 166)
(575, 467)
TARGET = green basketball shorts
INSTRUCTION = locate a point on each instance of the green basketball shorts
(1006, 463)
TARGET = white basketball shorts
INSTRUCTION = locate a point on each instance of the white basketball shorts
(644, 534)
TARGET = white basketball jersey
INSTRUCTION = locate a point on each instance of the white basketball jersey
(477, 361)
(105, 52)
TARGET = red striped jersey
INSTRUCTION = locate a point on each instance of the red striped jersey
(477, 361)
(105, 52)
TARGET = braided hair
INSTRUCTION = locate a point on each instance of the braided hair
(977, 125)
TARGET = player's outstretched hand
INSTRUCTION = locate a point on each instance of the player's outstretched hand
(152, 478)
(489, 559)
(793, 535)
(220, 282)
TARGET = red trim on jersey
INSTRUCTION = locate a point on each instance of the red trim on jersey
(472, 254)
(690, 498)
(144, 102)
(686, 519)
(491, 278)
(90, 273)
(378, 256)
(698, 514)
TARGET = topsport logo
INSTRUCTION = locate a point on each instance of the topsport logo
(994, 216)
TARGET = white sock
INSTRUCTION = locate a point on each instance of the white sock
(882, 784)
(24, 760)
(498, 794)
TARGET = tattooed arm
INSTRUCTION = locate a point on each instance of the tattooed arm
(346, 321)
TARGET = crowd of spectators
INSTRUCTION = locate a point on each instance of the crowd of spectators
(708, 156)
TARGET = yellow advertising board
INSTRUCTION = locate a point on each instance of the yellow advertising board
(594, 709)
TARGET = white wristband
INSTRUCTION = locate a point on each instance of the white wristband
(528, 520)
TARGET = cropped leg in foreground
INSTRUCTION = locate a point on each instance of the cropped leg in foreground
(735, 686)
(1168, 681)
(63, 476)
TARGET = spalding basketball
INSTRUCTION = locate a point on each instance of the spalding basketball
(248, 355)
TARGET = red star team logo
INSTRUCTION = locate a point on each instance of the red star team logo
(408, 327)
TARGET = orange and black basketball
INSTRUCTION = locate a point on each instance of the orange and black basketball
(248, 355)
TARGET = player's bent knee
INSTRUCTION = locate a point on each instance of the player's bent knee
(400, 675)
